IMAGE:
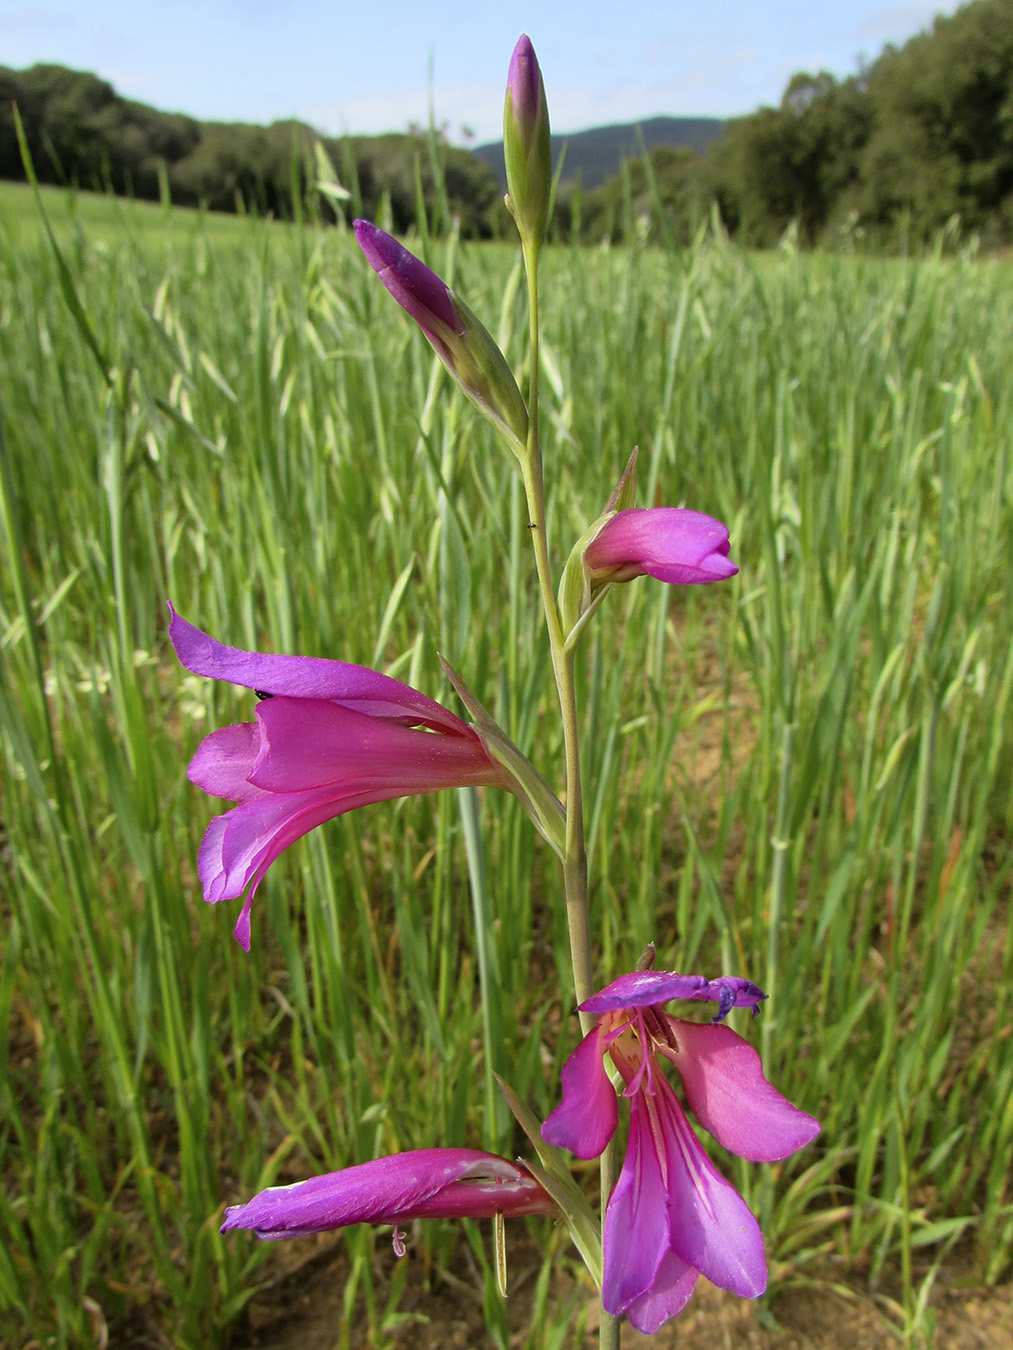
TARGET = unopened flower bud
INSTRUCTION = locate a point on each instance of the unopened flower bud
(457, 336)
(684, 548)
(526, 143)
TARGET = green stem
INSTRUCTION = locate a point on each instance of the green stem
(575, 853)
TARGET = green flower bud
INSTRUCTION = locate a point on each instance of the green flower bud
(526, 145)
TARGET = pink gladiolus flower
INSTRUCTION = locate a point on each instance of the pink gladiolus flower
(672, 1216)
(429, 1183)
(684, 548)
(328, 737)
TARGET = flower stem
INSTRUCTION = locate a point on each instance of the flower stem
(575, 852)
(575, 855)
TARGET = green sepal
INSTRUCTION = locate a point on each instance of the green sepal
(574, 595)
(555, 1176)
(481, 369)
(624, 494)
(523, 779)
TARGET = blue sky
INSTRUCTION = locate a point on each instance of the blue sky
(365, 67)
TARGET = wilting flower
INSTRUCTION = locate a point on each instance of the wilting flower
(429, 1183)
(328, 737)
(458, 337)
(672, 1216)
(526, 142)
(685, 548)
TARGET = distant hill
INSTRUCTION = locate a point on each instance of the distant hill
(597, 154)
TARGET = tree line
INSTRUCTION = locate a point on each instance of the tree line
(921, 135)
(80, 132)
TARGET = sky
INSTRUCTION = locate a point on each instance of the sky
(354, 67)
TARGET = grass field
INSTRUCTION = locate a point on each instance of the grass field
(804, 776)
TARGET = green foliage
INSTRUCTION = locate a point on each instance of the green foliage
(922, 136)
(79, 131)
(943, 139)
(650, 188)
(805, 778)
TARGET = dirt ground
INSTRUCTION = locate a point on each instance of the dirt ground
(302, 1310)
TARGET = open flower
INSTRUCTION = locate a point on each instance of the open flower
(328, 737)
(428, 1183)
(672, 1216)
(685, 548)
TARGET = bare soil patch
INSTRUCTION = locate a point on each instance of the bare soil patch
(302, 1310)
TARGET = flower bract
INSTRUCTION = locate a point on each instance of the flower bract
(672, 1216)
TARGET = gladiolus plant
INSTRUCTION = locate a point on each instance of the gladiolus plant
(326, 737)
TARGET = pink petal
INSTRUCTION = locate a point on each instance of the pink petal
(242, 928)
(210, 860)
(636, 1235)
(729, 1095)
(425, 1183)
(239, 846)
(311, 743)
(416, 288)
(585, 1120)
(712, 1228)
(224, 761)
(673, 1284)
(647, 988)
(308, 677)
(642, 989)
(681, 547)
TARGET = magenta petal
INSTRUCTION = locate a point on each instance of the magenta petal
(729, 1095)
(416, 287)
(524, 81)
(308, 677)
(310, 743)
(647, 988)
(682, 547)
(242, 928)
(239, 846)
(712, 1227)
(224, 761)
(425, 1183)
(585, 1120)
(636, 1235)
(643, 989)
(674, 1282)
